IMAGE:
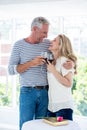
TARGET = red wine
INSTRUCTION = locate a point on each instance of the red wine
(51, 60)
(46, 60)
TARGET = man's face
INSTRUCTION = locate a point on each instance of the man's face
(41, 33)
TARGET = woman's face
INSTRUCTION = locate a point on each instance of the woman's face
(55, 44)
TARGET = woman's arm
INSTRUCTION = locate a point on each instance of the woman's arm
(65, 80)
(69, 64)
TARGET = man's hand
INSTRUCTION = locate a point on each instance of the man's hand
(68, 64)
(37, 61)
(34, 62)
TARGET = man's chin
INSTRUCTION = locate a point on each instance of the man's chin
(41, 40)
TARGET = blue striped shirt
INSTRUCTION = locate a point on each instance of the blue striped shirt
(23, 52)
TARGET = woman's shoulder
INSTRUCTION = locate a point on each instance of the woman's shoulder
(62, 59)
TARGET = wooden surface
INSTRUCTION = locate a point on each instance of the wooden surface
(53, 121)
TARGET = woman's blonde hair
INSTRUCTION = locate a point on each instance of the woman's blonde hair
(67, 49)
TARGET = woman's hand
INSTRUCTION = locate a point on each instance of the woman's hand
(50, 67)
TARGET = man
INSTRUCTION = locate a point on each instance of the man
(26, 61)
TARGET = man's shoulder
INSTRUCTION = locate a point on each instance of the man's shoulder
(46, 40)
(18, 44)
(19, 41)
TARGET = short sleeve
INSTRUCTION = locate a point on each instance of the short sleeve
(63, 70)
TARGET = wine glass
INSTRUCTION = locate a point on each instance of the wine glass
(48, 56)
(44, 54)
(51, 57)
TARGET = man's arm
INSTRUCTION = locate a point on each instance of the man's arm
(35, 62)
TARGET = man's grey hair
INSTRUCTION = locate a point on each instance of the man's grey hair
(39, 21)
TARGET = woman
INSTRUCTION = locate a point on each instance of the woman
(60, 79)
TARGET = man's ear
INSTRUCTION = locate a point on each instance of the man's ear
(35, 28)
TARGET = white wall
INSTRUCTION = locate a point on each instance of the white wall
(55, 8)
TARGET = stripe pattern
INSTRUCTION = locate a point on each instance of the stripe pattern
(23, 52)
